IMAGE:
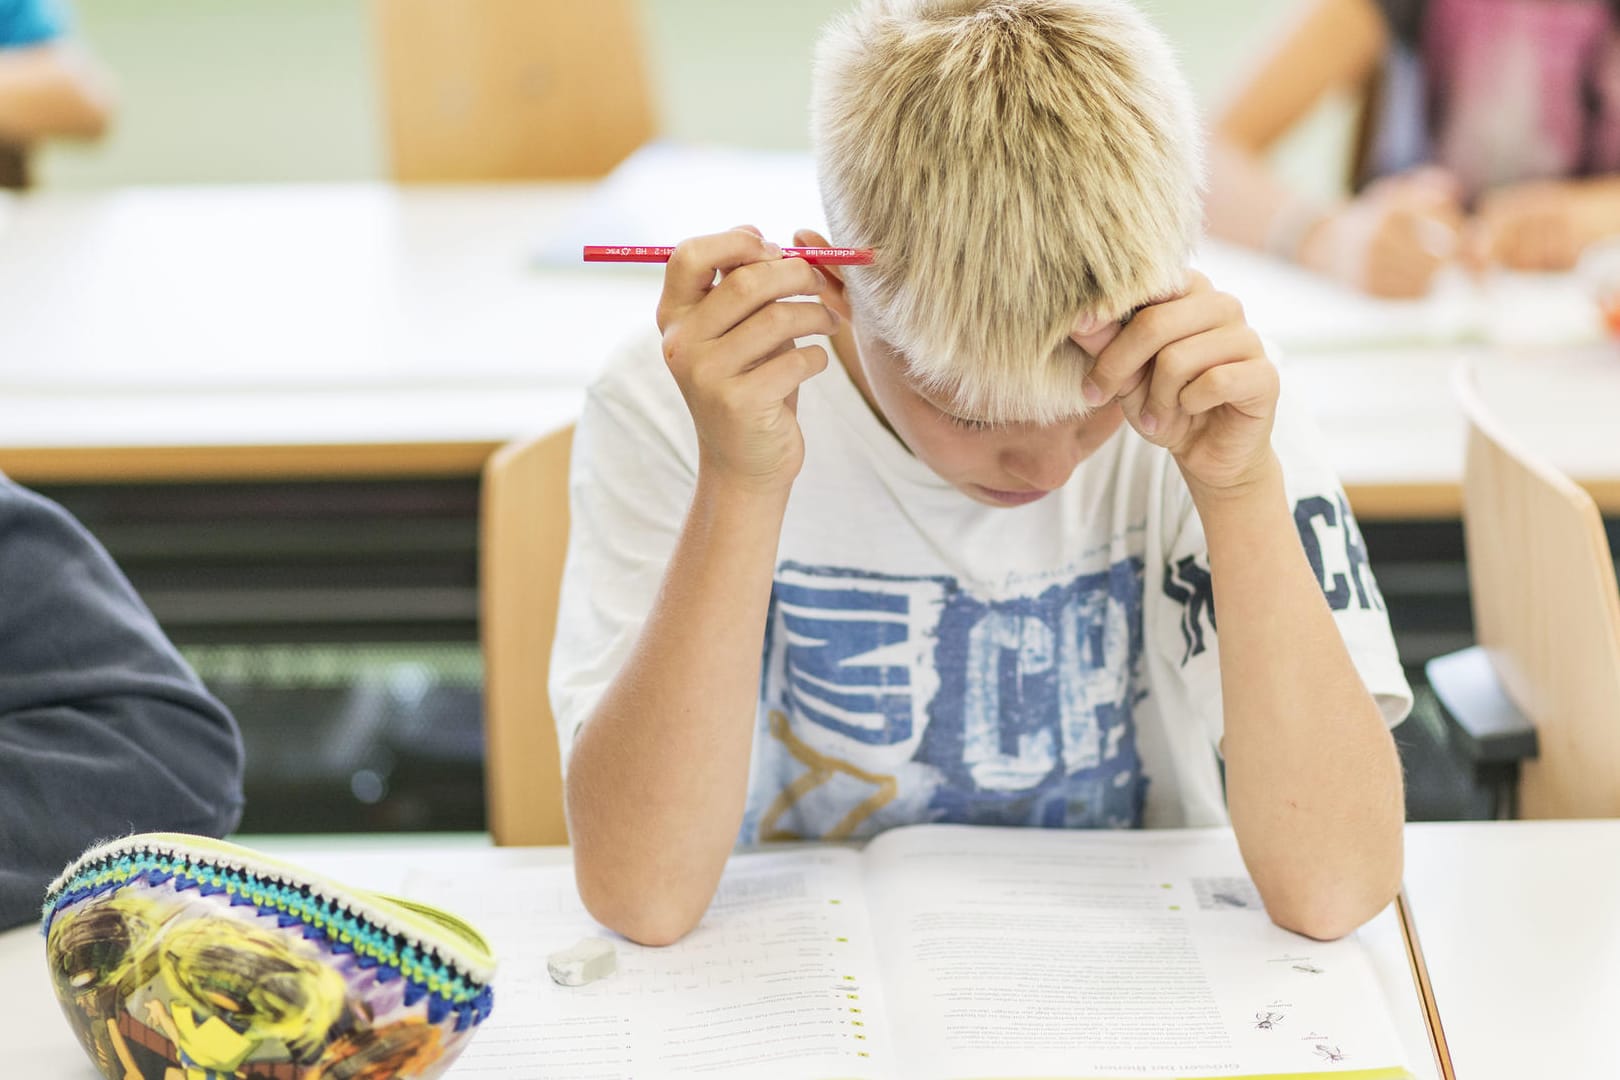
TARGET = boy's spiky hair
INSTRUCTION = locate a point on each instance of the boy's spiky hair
(1016, 163)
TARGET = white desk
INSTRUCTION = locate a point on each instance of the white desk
(301, 330)
(366, 330)
(1520, 923)
(1394, 432)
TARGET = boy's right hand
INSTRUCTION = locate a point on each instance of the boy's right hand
(731, 349)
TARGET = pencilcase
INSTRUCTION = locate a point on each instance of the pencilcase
(180, 957)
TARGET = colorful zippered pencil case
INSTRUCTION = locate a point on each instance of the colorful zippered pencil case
(184, 955)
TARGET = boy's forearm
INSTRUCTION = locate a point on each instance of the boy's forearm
(658, 777)
(1313, 778)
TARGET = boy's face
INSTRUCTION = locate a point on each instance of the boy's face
(1003, 465)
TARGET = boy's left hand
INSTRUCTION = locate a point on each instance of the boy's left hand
(1192, 376)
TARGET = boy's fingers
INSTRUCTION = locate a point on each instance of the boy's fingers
(747, 289)
(690, 273)
(779, 377)
(765, 332)
(1249, 386)
(1095, 336)
(1151, 329)
(1182, 362)
(1134, 400)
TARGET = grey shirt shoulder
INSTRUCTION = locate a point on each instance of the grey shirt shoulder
(104, 730)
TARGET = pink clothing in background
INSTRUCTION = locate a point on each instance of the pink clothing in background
(1521, 89)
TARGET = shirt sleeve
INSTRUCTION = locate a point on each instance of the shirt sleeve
(633, 471)
(30, 22)
(1186, 630)
(104, 730)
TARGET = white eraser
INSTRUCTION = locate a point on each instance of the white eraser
(591, 959)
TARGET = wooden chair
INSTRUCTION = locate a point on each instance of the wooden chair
(523, 538)
(1547, 618)
(511, 89)
(13, 167)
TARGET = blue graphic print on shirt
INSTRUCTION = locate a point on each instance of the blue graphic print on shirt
(911, 699)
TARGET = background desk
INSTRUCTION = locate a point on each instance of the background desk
(293, 332)
(1520, 923)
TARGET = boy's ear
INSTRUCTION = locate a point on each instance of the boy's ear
(835, 297)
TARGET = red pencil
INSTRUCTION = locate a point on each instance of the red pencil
(641, 253)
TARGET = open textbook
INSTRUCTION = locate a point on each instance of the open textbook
(667, 191)
(939, 953)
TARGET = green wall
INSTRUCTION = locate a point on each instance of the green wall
(279, 90)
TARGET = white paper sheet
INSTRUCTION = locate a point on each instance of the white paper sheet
(940, 953)
(1030, 953)
(779, 980)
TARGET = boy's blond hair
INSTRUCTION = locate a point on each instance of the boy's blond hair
(1017, 163)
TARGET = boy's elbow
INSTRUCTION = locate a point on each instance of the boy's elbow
(1327, 914)
(638, 914)
(1321, 923)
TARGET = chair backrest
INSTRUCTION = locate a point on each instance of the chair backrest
(13, 167)
(1547, 612)
(523, 539)
(511, 89)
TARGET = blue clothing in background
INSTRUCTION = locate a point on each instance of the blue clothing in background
(104, 730)
(29, 22)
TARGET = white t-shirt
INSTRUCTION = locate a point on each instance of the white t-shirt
(929, 658)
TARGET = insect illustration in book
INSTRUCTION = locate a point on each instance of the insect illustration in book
(1308, 968)
(1265, 1021)
(1329, 1053)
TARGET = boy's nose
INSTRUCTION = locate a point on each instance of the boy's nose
(1046, 460)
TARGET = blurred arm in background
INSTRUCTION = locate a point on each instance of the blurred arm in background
(48, 86)
(1390, 238)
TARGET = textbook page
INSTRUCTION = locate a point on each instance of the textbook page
(778, 980)
(1014, 953)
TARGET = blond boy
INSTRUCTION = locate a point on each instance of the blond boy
(957, 555)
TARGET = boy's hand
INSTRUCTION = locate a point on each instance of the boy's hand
(1192, 376)
(731, 349)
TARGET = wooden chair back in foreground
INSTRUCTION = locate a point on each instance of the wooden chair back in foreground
(511, 89)
(523, 540)
(1546, 613)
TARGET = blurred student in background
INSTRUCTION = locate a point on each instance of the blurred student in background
(1490, 132)
(48, 87)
